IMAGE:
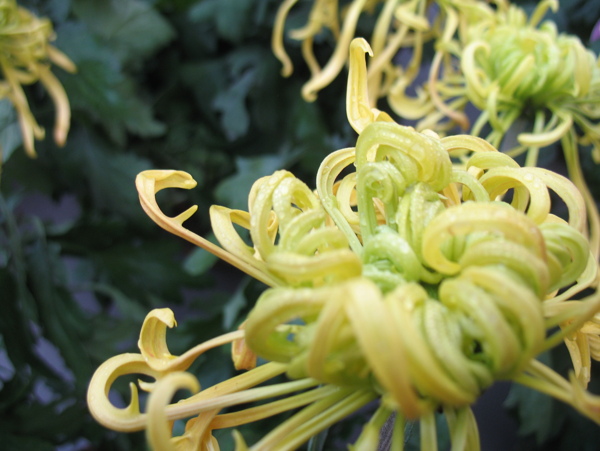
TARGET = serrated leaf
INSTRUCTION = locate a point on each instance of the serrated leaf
(235, 119)
(102, 89)
(233, 20)
(109, 176)
(536, 412)
(132, 28)
(533, 410)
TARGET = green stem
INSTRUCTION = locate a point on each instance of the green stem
(570, 150)
(428, 432)
(532, 152)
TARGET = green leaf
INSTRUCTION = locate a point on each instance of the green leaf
(109, 177)
(536, 413)
(233, 20)
(58, 10)
(132, 28)
(10, 132)
(148, 272)
(102, 89)
(231, 310)
(59, 316)
(25, 442)
(231, 103)
(533, 410)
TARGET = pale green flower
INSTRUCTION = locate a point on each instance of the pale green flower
(403, 278)
(512, 68)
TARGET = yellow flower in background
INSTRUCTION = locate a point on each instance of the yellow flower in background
(489, 55)
(404, 277)
(26, 58)
(513, 69)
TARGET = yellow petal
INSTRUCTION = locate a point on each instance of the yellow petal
(243, 357)
(277, 37)
(158, 429)
(127, 419)
(153, 343)
(358, 109)
(148, 183)
(61, 103)
(548, 137)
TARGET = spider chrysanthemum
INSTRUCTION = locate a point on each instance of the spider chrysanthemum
(420, 271)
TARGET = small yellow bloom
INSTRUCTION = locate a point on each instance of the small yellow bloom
(25, 58)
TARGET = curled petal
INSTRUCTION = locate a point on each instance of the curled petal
(128, 419)
(325, 268)
(338, 208)
(60, 59)
(240, 443)
(153, 338)
(275, 308)
(579, 350)
(339, 57)
(153, 345)
(243, 357)
(419, 157)
(530, 194)
(277, 37)
(61, 102)
(548, 137)
(472, 217)
(470, 143)
(158, 430)
(148, 183)
(380, 339)
(477, 90)
(222, 220)
(358, 108)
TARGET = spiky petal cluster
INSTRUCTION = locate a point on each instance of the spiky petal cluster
(404, 278)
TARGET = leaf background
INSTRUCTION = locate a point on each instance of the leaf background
(181, 84)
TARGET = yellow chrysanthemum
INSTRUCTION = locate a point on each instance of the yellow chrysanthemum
(404, 278)
(25, 58)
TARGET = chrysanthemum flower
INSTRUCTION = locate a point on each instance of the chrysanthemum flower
(25, 58)
(514, 70)
(404, 278)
